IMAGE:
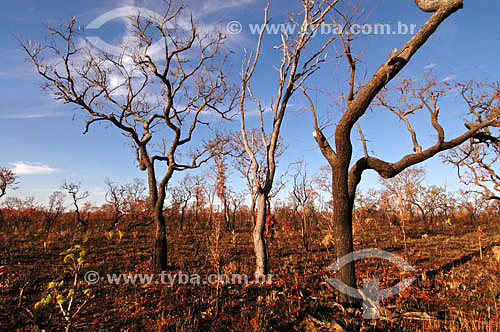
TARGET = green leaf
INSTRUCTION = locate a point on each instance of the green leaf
(69, 257)
(39, 305)
(87, 292)
(65, 252)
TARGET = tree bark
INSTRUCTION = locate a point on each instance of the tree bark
(261, 259)
(183, 213)
(156, 202)
(160, 260)
(344, 183)
(252, 210)
(342, 223)
(227, 217)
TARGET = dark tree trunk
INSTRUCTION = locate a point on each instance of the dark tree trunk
(116, 218)
(343, 183)
(160, 250)
(227, 217)
(183, 214)
(342, 223)
(156, 201)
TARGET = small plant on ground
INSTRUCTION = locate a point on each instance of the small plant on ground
(69, 294)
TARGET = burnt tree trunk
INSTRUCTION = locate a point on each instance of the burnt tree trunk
(156, 202)
(183, 214)
(342, 223)
(344, 182)
(160, 260)
(227, 217)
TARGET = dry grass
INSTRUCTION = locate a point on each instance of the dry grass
(456, 290)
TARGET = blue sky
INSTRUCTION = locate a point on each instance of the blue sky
(43, 139)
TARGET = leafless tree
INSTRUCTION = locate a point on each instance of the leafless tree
(74, 191)
(54, 209)
(210, 193)
(471, 203)
(476, 161)
(243, 164)
(157, 101)
(198, 189)
(295, 68)
(322, 183)
(476, 165)
(7, 180)
(236, 200)
(116, 196)
(181, 195)
(302, 196)
(406, 191)
(434, 200)
(136, 207)
(357, 100)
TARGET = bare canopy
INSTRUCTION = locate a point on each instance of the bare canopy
(157, 101)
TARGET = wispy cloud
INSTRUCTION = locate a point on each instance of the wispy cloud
(36, 115)
(23, 168)
(30, 108)
(430, 66)
(449, 78)
(218, 5)
(16, 68)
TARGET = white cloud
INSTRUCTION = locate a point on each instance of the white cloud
(27, 115)
(31, 107)
(430, 66)
(22, 168)
(218, 5)
(449, 78)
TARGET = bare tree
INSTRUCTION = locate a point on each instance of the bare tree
(210, 192)
(157, 101)
(74, 190)
(136, 207)
(303, 196)
(471, 203)
(476, 165)
(357, 100)
(7, 180)
(243, 163)
(198, 190)
(323, 185)
(116, 196)
(293, 71)
(54, 209)
(476, 161)
(406, 189)
(236, 200)
(181, 195)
